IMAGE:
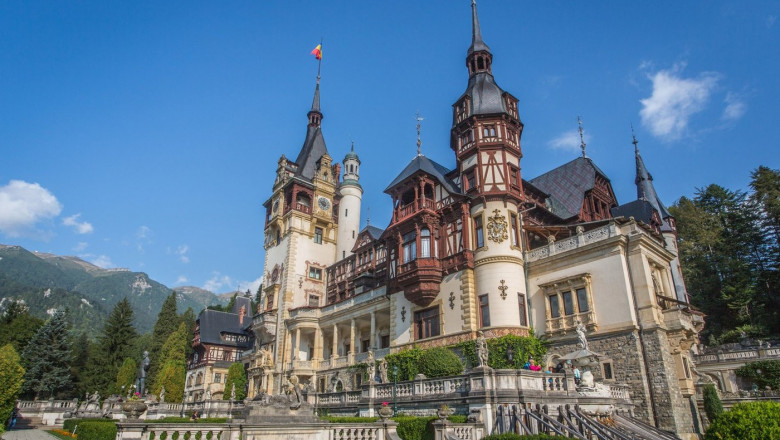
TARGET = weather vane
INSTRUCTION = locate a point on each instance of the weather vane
(419, 140)
(582, 137)
(635, 142)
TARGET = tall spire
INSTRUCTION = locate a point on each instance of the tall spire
(477, 44)
(644, 185)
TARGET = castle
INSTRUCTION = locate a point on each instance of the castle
(474, 247)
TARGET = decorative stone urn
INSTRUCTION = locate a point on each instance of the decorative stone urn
(443, 412)
(385, 412)
(133, 408)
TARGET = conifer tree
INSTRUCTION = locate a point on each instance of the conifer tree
(17, 326)
(167, 322)
(11, 380)
(114, 345)
(173, 371)
(188, 318)
(236, 376)
(47, 357)
(78, 364)
(125, 378)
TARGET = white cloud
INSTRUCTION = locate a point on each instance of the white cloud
(181, 251)
(80, 246)
(568, 141)
(182, 279)
(218, 283)
(102, 261)
(143, 237)
(251, 285)
(735, 107)
(23, 205)
(674, 100)
(79, 227)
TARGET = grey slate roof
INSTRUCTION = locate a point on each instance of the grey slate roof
(641, 210)
(486, 96)
(646, 191)
(567, 185)
(422, 163)
(213, 323)
(373, 231)
(476, 34)
(314, 144)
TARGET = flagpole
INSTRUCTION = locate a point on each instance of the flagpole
(319, 63)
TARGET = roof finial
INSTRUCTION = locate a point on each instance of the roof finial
(582, 136)
(352, 147)
(419, 140)
(635, 142)
(368, 215)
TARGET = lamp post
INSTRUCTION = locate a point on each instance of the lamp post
(395, 383)
(510, 354)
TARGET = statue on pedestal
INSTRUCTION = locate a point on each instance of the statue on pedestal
(140, 382)
(583, 342)
(371, 367)
(383, 370)
(482, 350)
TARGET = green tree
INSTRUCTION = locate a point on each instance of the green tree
(78, 364)
(747, 421)
(17, 326)
(47, 357)
(188, 318)
(173, 358)
(114, 345)
(167, 322)
(11, 380)
(125, 378)
(712, 404)
(235, 376)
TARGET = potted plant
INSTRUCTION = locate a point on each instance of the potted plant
(134, 406)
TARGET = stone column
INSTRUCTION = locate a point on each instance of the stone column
(318, 344)
(372, 339)
(297, 346)
(335, 352)
(352, 350)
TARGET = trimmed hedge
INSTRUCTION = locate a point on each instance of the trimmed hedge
(712, 404)
(69, 424)
(747, 421)
(415, 428)
(93, 430)
(439, 362)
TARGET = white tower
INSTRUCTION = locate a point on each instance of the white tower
(349, 206)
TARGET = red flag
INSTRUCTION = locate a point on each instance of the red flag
(317, 52)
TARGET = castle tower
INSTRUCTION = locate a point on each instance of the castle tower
(300, 242)
(349, 206)
(486, 140)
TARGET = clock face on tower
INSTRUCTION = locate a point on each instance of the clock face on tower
(324, 203)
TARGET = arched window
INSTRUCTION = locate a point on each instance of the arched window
(425, 243)
(410, 246)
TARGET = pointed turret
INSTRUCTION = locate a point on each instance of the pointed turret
(314, 144)
(478, 58)
(645, 189)
(477, 44)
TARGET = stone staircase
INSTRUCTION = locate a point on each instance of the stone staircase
(28, 422)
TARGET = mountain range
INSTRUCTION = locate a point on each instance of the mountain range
(45, 282)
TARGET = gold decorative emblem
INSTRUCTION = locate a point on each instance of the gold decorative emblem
(496, 227)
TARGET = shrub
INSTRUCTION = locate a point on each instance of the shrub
(70, 424)
(11, 380)
(93, 430)
(414, 428)
(522, 346)
(712, 406)
(439, 362)
(747, 421)
(405, 361)
(126, 376)
(770, 373)
(236, 375)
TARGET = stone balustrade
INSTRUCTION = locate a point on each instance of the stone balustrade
(579, 240)
(737, 355)
(51, 412)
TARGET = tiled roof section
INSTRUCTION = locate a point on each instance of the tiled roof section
(373, 231)
(487, 98)
(213, 323)
(646, 191)
(567, 185)
(641, 210)
(422, 163)
(313, 149)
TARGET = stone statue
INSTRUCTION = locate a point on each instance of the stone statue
(94, 398)
(482, 350)
(583, 342)
(233, 392)
(265, 359)
(208, 394)
(371, 367)
(295, 397)
(162, 394)
(383, 370)
(140, 382)
(587, 379)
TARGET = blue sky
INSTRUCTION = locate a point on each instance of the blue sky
(145, 134)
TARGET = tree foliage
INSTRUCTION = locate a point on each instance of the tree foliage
(114, 345)
(17, 326)
(712, 404)
(236, 375)
(728, 243)
(11, 379)
(762, 373)
(747, 421)
(125, 378)
(173, 356)
(167, 323)
(404, 364)
(47, 357)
